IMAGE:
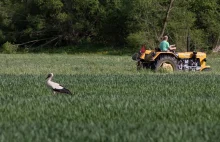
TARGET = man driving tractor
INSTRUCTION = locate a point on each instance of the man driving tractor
(165, 46)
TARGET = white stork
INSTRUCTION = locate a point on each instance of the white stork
(56, 88)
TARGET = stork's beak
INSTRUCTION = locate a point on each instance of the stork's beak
(48, 76)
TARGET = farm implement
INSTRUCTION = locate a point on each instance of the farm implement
(172, 61)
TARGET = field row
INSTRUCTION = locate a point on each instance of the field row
(111, 101)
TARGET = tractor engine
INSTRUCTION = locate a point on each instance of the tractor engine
(189, 64)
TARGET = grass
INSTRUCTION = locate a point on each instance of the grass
(111, 101)
(80, 49)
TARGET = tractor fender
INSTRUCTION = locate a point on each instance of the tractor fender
(158, 54)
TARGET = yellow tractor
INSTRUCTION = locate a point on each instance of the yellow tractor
(174, 61)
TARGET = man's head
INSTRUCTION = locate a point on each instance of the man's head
(165, 38)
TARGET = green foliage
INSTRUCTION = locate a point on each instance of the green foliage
(9, 48)
(136, 40)
(177, 29)
(108, 22)
(2, 37)
(144, 19)
(207, 20)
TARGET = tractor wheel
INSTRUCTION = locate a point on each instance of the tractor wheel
(139, 65)
(166, 63)
(143, 65)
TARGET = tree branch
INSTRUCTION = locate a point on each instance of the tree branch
(49, 41)
(32, 41)
(166, 19)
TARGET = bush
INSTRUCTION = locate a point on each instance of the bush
(135, 40)
(9, 48)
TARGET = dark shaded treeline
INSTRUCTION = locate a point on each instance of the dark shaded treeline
(130, 23)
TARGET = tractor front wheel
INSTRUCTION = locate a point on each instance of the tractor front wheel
(207, 69)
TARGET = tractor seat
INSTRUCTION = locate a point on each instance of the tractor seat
(157, 49)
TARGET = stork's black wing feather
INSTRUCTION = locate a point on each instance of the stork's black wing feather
(64, 90)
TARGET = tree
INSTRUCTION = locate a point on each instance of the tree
(110, 22)
(207, 20)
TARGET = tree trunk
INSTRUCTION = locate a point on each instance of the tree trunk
(166, 19)
(216, 47)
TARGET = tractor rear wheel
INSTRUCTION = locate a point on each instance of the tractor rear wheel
(143, 65)
(139, 65)
(166, 63)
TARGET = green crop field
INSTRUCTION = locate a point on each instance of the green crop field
(111, 102)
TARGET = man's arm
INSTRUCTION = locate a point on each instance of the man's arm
(172, 47)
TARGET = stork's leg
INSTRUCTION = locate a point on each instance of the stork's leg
(54, 92)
